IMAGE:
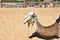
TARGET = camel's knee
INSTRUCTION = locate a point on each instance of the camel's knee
(33, 35)
(36, 34)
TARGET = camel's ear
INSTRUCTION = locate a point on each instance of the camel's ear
(58, 19)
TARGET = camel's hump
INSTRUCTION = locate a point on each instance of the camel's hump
(47, 20)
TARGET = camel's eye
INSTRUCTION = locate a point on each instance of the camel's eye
(33, 16)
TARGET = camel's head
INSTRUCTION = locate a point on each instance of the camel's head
(29, 16)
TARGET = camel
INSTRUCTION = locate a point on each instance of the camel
(46, 32)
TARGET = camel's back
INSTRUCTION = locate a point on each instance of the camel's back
(47, 19)
(47, 31)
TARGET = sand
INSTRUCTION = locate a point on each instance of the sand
(11, 22)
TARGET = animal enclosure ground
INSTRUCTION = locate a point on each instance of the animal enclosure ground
(11, 22)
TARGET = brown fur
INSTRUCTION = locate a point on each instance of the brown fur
(47, 31)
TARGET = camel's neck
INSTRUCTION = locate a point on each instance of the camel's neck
(36, 23)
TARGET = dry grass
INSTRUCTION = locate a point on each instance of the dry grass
(11, 22)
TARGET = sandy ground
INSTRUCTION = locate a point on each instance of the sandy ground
(11, 22)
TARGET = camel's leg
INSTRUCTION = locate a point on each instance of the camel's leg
(36, 34)
(51, 37)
